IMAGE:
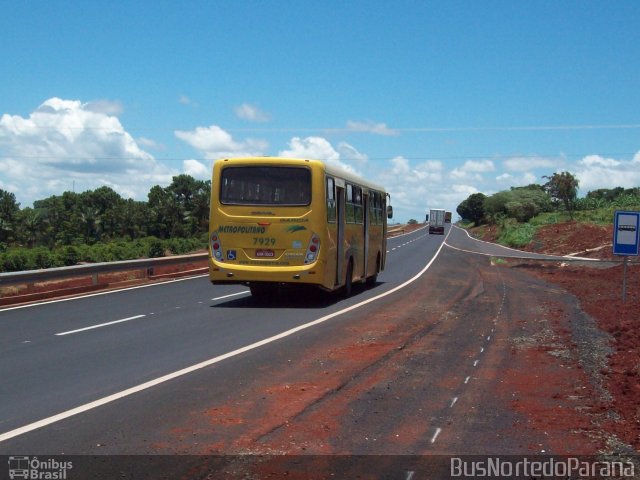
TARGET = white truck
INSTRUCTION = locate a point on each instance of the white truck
(436, 221)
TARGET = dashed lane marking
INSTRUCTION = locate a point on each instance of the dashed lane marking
(244, 292)
(212, 361)
(100, 325)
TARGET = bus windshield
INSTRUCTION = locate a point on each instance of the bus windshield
(265, 185)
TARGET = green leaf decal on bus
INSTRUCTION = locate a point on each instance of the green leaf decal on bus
(295, 228)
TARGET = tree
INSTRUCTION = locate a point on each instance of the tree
(519, 203)
(30, 226)
(472, 209)
(9, 210)
(563, 187)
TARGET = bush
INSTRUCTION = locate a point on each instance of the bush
(41, 257)
(156, 249)
(70, 255)
(521, 203)
(516, 234)
(15, 261)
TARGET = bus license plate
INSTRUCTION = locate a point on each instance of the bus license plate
(263, 253)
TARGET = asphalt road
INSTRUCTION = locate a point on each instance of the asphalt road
(414, 365)
(74, 354)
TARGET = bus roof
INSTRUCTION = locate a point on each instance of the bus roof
(330, 169)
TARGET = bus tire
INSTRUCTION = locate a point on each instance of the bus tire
(373, 279)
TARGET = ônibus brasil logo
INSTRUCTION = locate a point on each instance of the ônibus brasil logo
(34, 469)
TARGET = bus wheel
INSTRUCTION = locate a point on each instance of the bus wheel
(373, 279)
(348, 283)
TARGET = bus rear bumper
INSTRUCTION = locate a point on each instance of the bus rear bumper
(228, 275)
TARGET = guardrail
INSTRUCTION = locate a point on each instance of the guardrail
(395, 231)
(146, 267)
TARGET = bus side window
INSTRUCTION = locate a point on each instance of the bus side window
(373, 208)
(358, 208)
(331, 200)
(349, 207)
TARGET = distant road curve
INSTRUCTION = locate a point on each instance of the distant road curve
(459, 239)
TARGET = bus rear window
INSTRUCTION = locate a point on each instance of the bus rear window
(265, 185)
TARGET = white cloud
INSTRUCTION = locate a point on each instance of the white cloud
(106, 107)
(350, 153)
(196, 169)
(371, 127)
(478, 166)
(315, 148)
(594, 172)
(509, 180)
(597, 160)
(149, 143)
(472, 170)
(251, 113)
(415, 188)
(523, 164)
(214, 143)
(68, 143)
(184, 100)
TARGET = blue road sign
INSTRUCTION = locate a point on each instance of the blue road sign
(625, 233)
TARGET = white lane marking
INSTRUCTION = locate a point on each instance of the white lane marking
(101, 293)
(100, 325)
(410, 474)
(198, 366)
(523, 254)
(475, 364)
(481, 349)
(244, 292)
(435, 435)
(453, 402)
(466, 380)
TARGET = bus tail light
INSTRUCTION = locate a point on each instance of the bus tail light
(216, 247)
(312, 249)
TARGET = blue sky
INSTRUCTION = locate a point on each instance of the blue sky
(434, 100)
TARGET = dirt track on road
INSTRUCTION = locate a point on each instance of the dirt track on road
(472, 358)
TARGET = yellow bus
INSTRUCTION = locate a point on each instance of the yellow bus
(279, 221)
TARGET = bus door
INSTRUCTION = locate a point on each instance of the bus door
(365, 234)
(340, 222)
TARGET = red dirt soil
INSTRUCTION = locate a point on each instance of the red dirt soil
(599, 291)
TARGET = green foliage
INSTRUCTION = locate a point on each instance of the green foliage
(472, 209)
(520, 211)
(101, 226)
(70, 255)
(15, 260)
(156, 249)
(563, 187)
(514, 234)
(520, 203)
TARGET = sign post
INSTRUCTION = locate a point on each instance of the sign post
(626, 240)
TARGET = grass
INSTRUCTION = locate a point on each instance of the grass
(516, 235)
